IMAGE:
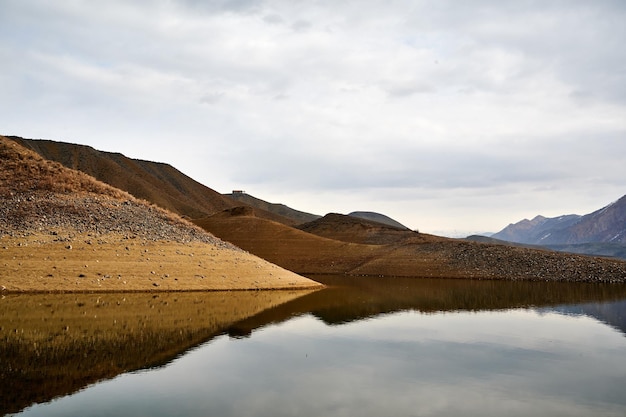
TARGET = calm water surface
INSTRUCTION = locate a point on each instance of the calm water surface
(406, 348)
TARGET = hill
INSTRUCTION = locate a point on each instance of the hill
(287, 215)
(412, 255)
(62, 230)
(348, 252)
(356, 230)
(377, 217)
(156, 182)
(291, 248)
(607, 224)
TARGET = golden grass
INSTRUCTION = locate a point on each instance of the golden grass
(39, 262)
(24, 170)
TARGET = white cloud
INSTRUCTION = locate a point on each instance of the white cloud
(457, 107)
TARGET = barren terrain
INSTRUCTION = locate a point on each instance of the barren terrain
(345, 245)
(335, 244)
(61, 230)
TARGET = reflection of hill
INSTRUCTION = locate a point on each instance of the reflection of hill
(613, 313)
(55, 344)
(355, 298)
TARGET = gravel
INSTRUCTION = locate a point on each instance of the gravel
(31, 212)
(513, 263)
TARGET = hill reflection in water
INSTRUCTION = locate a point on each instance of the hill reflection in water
(355, 298)
(53, 345)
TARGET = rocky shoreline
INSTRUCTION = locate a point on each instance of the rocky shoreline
(513, 263)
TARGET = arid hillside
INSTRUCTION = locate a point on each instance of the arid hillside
(62, 230)
(158, 183)
(357, 230)
(412, 255)
(350, 245)
(295, 216)
(291, 248)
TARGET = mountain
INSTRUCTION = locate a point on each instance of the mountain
(357, 230)
(156, 182)
(356, 247)
(295, 216)
(340, 244)
(607, 225)
(533, 231)
(64, 231)
(377, 217)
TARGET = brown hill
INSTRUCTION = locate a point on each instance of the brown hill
(156, 182)
(294, 216)
(351, 251)
(418, 255)
(378, 217)
(62, 230)
(291, 248)
(357, 230)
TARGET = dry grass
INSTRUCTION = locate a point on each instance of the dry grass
(158, 183)
(40, 262)
(40, 255)
(23, 170)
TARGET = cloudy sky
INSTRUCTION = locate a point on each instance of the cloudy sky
(449, 116)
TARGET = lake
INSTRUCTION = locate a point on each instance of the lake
(363, 346)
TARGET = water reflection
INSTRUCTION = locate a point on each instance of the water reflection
(361, 346)
(355, 298)
(54, 344)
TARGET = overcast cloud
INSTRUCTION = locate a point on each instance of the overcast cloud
(445, 115)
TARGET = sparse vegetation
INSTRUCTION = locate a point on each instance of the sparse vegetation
(55, 222)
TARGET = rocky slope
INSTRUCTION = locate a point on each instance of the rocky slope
(62, 230)
(356, 247)
(158, 183)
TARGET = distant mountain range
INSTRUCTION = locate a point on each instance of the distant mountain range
(602, 232)
(607, 224)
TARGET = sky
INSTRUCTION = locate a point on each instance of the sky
(452, 117)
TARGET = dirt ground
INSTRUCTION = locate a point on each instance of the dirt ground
(40, 262)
